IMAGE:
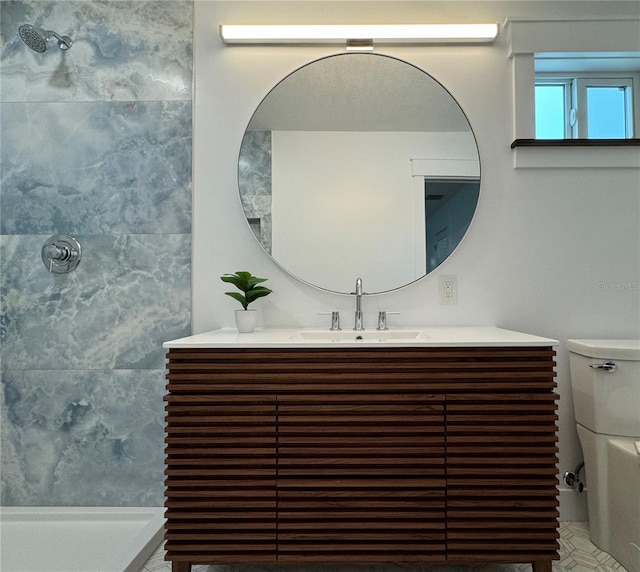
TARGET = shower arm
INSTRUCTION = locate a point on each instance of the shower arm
(64, 42)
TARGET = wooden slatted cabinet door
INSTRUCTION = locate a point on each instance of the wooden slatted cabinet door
(220, 471)
(360, 478)
(501, 477)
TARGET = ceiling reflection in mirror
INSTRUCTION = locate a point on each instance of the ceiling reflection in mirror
(359, 165)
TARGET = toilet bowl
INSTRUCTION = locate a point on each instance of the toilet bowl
(605, 380)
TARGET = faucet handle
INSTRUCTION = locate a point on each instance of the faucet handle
(382, 319)
(335, 320)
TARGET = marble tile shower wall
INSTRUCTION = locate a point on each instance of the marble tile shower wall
(254, 181)
(95, 142)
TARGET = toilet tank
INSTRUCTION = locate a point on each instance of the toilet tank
(606, 402)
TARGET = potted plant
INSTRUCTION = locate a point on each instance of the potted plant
(251, 290)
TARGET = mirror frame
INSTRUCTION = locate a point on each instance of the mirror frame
(401, 61)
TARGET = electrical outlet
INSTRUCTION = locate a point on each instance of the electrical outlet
(448, 287)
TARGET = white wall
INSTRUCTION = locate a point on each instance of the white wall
(328, 180)
(549, 251)
(353, 192)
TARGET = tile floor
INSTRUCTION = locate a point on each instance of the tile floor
(577, 554)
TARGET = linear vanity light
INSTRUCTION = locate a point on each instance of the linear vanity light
(363, 35)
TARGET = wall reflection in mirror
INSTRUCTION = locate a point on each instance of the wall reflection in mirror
(359, 165)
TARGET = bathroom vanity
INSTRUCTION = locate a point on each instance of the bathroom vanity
(291, 447)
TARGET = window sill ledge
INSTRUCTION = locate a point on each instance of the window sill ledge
(575, 143)
(576, 153)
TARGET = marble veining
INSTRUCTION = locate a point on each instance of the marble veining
(82, 438)
(124, 50)
(79, 168)
(95, 142)
(128, 295)
(254, 181)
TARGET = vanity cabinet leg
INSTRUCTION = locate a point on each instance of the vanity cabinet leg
(542, 566)
(180, 566)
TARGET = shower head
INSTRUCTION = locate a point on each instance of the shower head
(37, 38)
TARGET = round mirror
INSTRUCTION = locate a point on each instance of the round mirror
(359, 165)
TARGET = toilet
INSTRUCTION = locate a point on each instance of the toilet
(605, 379)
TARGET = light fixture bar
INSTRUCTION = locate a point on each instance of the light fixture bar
(339, 34)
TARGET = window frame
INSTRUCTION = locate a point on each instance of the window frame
(567, 84)
(581, 86)
(576, 84)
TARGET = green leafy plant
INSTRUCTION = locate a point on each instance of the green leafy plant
(248, 285)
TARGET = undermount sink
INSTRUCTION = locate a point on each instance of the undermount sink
(351, 336)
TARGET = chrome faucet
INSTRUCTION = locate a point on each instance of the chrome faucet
(358, 326)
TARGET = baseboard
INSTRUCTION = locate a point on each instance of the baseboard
(573, 505)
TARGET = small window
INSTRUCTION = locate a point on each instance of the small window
(608, 109)
(584, 107)
(552, 109)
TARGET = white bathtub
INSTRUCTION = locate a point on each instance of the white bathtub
(82, 539)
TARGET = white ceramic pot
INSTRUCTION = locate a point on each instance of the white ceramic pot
(246, 320)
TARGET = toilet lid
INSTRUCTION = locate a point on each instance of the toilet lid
(606, 349)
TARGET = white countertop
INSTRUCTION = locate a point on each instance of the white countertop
(470, 336)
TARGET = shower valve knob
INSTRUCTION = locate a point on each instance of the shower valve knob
(61, 254)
